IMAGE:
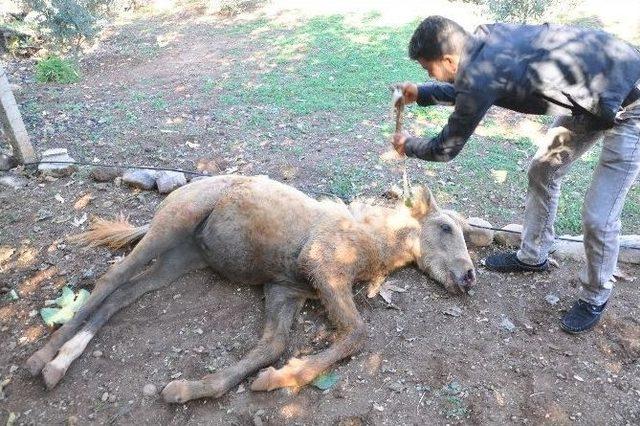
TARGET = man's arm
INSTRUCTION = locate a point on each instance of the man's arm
(436, 94)
(469, 110)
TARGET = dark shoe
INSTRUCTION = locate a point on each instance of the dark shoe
(509, 262)
(582, 317)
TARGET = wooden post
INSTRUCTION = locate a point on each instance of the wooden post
(13, 124)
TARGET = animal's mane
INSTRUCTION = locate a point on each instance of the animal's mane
(362, 207)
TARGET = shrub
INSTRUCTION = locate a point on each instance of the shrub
(518, 11)
(73, 21)
(57, 70)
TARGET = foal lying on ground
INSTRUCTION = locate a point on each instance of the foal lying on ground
(256, 231)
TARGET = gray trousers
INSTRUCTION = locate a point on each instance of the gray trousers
(616, 171)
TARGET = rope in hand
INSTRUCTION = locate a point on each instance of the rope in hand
(398, 106)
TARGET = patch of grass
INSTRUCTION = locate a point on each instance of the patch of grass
(454, 405)
(148, 50)
(159, 103)
(137, 96)
(131, 116)
(434, 115)
(55, 69)
(208, 86)
(345, 181)
(75, 107)
(327, 65)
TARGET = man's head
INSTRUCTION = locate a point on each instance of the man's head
(437, 44)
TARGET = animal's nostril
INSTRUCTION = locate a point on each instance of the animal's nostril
(469, 277)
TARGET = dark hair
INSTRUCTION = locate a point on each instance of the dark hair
(435, 37)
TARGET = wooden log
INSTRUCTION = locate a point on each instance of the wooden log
(12, 123)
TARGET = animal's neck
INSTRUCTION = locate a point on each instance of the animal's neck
(396, 235)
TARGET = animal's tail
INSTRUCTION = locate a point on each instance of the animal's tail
(111, 233)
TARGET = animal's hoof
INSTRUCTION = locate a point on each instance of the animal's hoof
(176, 392)
(264, 380)
(52, 374)
(36, 362)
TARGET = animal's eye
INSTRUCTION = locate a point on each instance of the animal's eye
(446, 228)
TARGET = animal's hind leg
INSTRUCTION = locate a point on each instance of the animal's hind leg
(335, 294)
(151, 246)
(175, 263)
(281, 305)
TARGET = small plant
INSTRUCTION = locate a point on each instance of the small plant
(55, 69)
(208, 86)
(70, 22)
(159, 103)
(521, 12)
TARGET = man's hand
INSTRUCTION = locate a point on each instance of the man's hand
(409, 91)
(398, 142)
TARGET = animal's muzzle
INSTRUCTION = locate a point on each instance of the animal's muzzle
(467, 280)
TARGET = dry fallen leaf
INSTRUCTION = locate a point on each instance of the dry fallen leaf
(623, 275)
(77, 221)
(392, 155)
(83, 201)
(499, 176)
(387, 289)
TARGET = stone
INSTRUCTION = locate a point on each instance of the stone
(7, 162)
(568, 250)
(571, 248)
(13, 181)
(211, 166)
(257, 418)
(49, 165)
(507, 325)
(629, 249)
(509, 239)
(97, 353)
(149, 390)
(140, 178)
(104, 397)
(105, 174)
(289, 172)
(551, 299)
(396, 387)
(168, 181)
(453, 311)
(478, 236)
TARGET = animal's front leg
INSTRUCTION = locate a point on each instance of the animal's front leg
(281, 306)
(374, 286)
(335, 294)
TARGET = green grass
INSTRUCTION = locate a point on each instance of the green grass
(159, 103)
(345, 180)
(55, 69)
(325, 66)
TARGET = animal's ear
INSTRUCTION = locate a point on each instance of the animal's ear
(422, 202)
(479, 237)
(461, 222)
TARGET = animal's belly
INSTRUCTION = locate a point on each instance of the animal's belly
(233, 252)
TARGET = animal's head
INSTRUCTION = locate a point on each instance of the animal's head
(443, 253)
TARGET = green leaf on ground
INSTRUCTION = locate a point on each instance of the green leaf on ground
(326, 380)
(69, 303)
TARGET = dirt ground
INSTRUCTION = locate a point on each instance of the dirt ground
(420, 365)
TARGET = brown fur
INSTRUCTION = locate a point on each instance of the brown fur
(260, 232)
(114, 234)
